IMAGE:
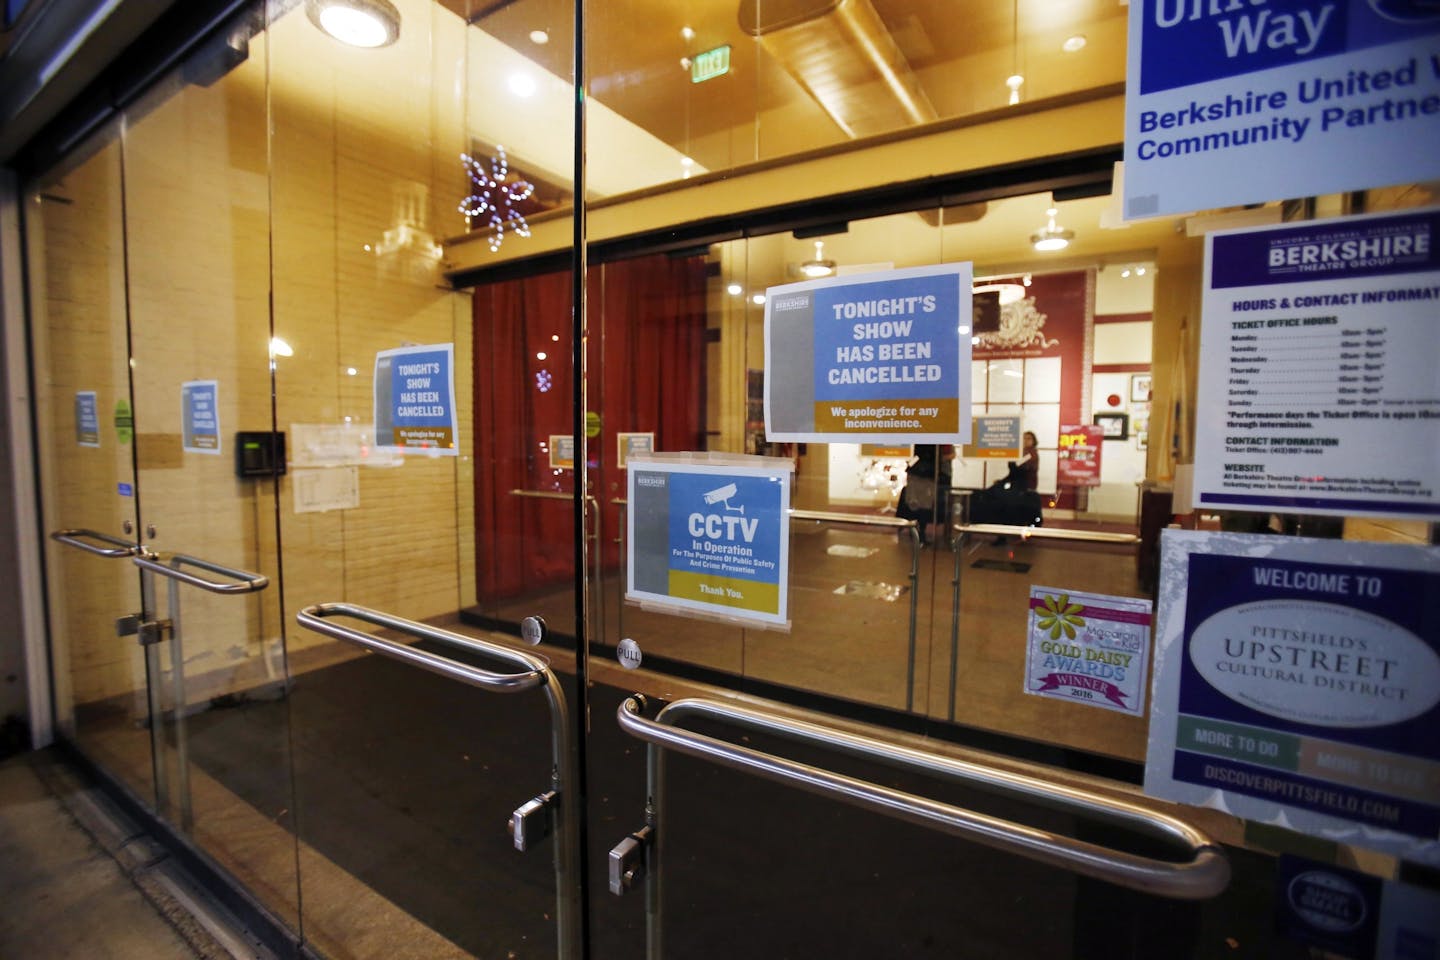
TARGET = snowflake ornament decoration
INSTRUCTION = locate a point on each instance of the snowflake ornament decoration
(543, 381)
(494, 193)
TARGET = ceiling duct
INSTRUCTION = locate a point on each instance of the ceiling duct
(842, 54)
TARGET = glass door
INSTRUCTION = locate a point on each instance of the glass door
(207, 458)
(434, 760)
(75, 226)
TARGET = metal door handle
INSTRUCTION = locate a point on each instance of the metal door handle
(1203, 873)
(77, 538)
(534, 671)
(240, 581)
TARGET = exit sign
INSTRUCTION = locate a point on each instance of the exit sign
(710, 64)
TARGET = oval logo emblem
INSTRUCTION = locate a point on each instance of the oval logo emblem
(1327, 901)
(1317, 663)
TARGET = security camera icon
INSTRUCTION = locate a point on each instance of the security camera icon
(723, 495)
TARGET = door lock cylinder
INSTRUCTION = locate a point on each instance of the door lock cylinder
(533, 821)
(627, 861)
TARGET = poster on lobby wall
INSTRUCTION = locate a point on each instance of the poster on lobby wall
(200, 416)
(87, 419)
(1078, 452)
(1317, 365)
(872, 357)
(709, 536)
(1231, 102)
(415, 400)
(1088, 648)
(1297, 683)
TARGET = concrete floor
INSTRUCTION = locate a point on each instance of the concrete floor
(78, 881)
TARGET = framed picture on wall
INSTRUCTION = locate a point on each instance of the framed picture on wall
(1115, 426)
(1140, 388)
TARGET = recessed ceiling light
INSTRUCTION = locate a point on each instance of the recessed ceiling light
(687, 34)
(734, 289)
(539, 37)
(758, 299)
(1071, 44)
(358, 23)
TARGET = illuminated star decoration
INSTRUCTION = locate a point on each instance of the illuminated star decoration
(493, 194)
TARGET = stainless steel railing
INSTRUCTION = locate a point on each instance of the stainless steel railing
(892, 523)
(531, 820)
(1203, 872)
(592, 537)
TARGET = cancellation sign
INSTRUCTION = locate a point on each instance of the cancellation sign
(415, 399)
(711, 539)
(1230, 102)
(200, 416)
(1300, 679)
(1317, 363)
(878, 358)
(87, 418)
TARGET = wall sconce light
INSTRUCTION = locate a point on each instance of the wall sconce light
(358, 23)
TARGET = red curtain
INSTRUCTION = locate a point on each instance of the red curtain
(646, 362)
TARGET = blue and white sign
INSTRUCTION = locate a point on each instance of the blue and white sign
(1297, 682)
(415, 400)
(710, 536)
(1317, 368)
(200, 414)
(87, 418)
(873, 358)
(1243, 101)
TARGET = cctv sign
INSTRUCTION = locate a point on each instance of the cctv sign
(710, 537)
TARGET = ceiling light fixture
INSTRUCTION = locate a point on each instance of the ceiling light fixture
(819, 267)
(522, 85)
(1051, 237)
(1009, 292)
(1075, 43)
(687, 34)
(279, 348)
(539, 37)
(1015, 80)
(734, 289)
(358, 23)
(758, 299)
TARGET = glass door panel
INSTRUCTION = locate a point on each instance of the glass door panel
(420, 506)
(76, 255)
(198, 220)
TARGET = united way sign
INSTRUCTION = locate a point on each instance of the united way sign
(1242, 101)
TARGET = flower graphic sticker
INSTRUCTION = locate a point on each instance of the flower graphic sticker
(1058, 615)
(494, 193)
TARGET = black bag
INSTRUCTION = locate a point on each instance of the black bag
(919, 494)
